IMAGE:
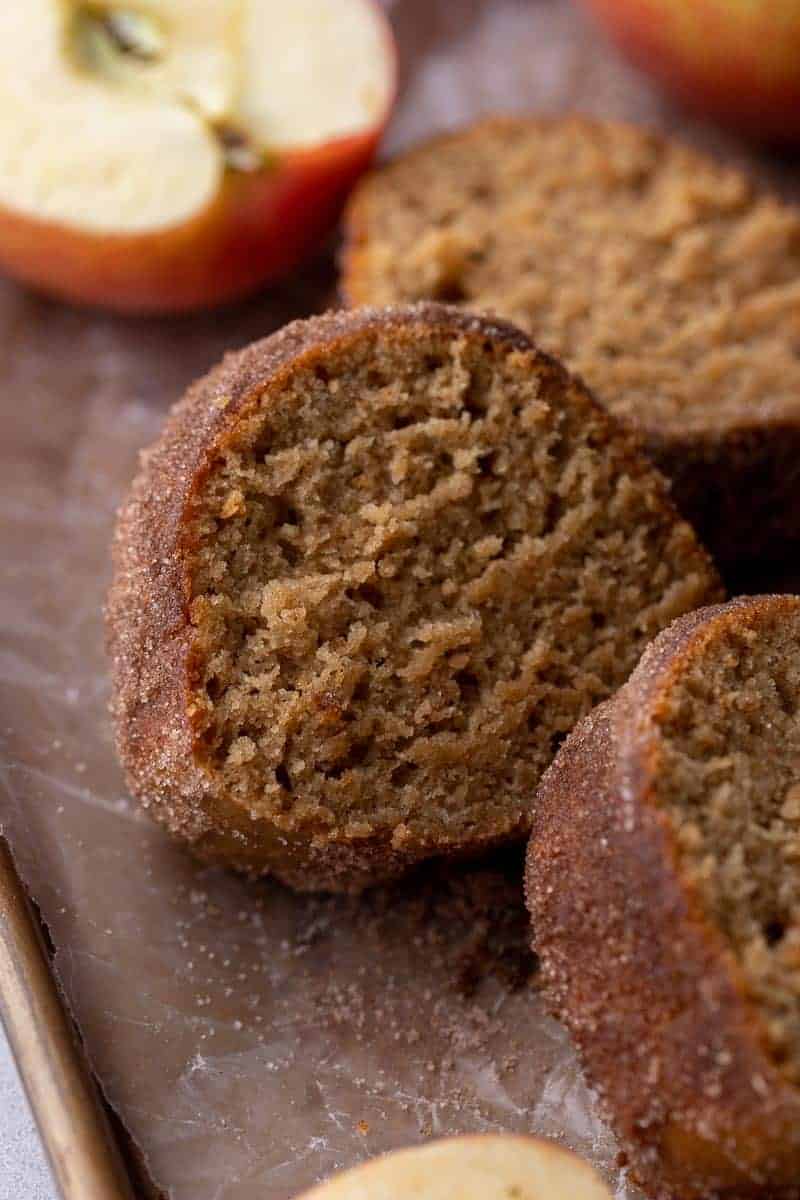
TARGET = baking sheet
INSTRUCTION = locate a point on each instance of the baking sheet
(252, 1041)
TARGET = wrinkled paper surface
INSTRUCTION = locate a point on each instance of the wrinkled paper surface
(250, 1040)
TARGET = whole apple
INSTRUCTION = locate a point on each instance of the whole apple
(737, 61)
(164, 155)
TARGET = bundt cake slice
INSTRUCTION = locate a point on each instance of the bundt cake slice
(664, 884)
(374, 570)
(668, 281)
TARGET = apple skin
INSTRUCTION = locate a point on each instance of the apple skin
(260, 227)
(737, 61)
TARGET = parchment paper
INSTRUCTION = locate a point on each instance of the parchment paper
(251, 1041)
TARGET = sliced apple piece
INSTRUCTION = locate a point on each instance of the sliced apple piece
(159, 155)
(483, 1167)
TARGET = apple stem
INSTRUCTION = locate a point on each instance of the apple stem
(240, 153)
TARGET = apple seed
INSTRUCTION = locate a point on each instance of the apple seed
(100, 35)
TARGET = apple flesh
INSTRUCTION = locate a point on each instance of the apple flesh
(478, 1167)
(737, 61)
(164, 155)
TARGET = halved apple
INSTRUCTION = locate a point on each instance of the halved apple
(477, 1167)
(162, 155)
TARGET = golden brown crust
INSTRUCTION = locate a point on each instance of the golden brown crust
(735, 481)
(646, 984)
(150, 635)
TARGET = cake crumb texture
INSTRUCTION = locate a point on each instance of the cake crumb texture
(668, 281)
(729, 780)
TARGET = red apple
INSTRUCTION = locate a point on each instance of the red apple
(163, 155)
(737, 61)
